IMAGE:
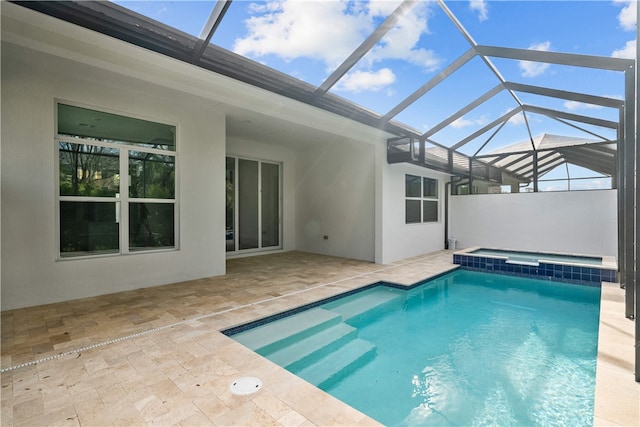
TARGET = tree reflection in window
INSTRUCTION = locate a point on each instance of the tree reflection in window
(152, 175)
(88, 170)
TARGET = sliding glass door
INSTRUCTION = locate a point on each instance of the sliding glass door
(253, 205)
(270, 204)
(247, 204)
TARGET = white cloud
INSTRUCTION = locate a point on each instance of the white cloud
(516, 119)
(329, 31)
(480, 6)
(533, 69)
(357, 81)
(400, 42)
(575, 105)
(462, 122)
(383, 7)
(629, 51)
(628, 17)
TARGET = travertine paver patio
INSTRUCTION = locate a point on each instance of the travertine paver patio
(155, 356)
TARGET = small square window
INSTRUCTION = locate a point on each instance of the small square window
(421, 199)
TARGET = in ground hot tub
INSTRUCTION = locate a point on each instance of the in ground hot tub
(568, 268)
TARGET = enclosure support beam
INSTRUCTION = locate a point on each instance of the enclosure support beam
(469, 107)
(470, 175)
(535, 171)
(621, 194)
(563, 94)
(629, 225)
(366, 46)
(210, 27)
(442, 75)
(631, 98)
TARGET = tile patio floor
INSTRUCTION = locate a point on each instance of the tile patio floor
(154, 356)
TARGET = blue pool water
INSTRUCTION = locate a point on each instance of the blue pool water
(467, 348)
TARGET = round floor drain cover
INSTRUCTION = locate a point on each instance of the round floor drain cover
(246, 385)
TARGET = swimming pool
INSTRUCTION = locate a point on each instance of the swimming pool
(578, 269)
(465, 348)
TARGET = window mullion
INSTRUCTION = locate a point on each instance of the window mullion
(124, 201)
(259, 204)
(150, 200)
(421, 200)
(236, 207)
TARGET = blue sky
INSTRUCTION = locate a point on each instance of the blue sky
(309, 39)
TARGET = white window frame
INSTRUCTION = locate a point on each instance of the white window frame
(422, 198)
(122, 200)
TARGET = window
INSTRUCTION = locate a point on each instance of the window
(116, 183)
(421, 199)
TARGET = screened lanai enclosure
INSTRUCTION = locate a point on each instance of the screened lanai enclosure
(454, 116)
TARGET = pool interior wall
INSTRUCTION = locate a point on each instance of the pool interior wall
(535, 257)
(538, 267)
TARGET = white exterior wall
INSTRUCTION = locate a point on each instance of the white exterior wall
(31, 273)
(400, 240)
(257, 151)
(328, 180)
(335, 197)
(580, 222)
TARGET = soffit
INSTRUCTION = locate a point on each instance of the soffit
(250, 111)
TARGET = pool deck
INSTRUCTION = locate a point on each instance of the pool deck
(155, 357)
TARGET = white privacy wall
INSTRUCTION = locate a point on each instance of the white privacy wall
(335, 197)
(581, 222)
(31, 273)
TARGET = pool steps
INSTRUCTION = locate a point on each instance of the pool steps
(329, 370)
(318, 344)
(297, 355)
(368, 303)
(287, 330)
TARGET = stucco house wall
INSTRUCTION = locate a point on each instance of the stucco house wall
(329, 182)
(32, 272)
(335, 200)
(401, 240)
